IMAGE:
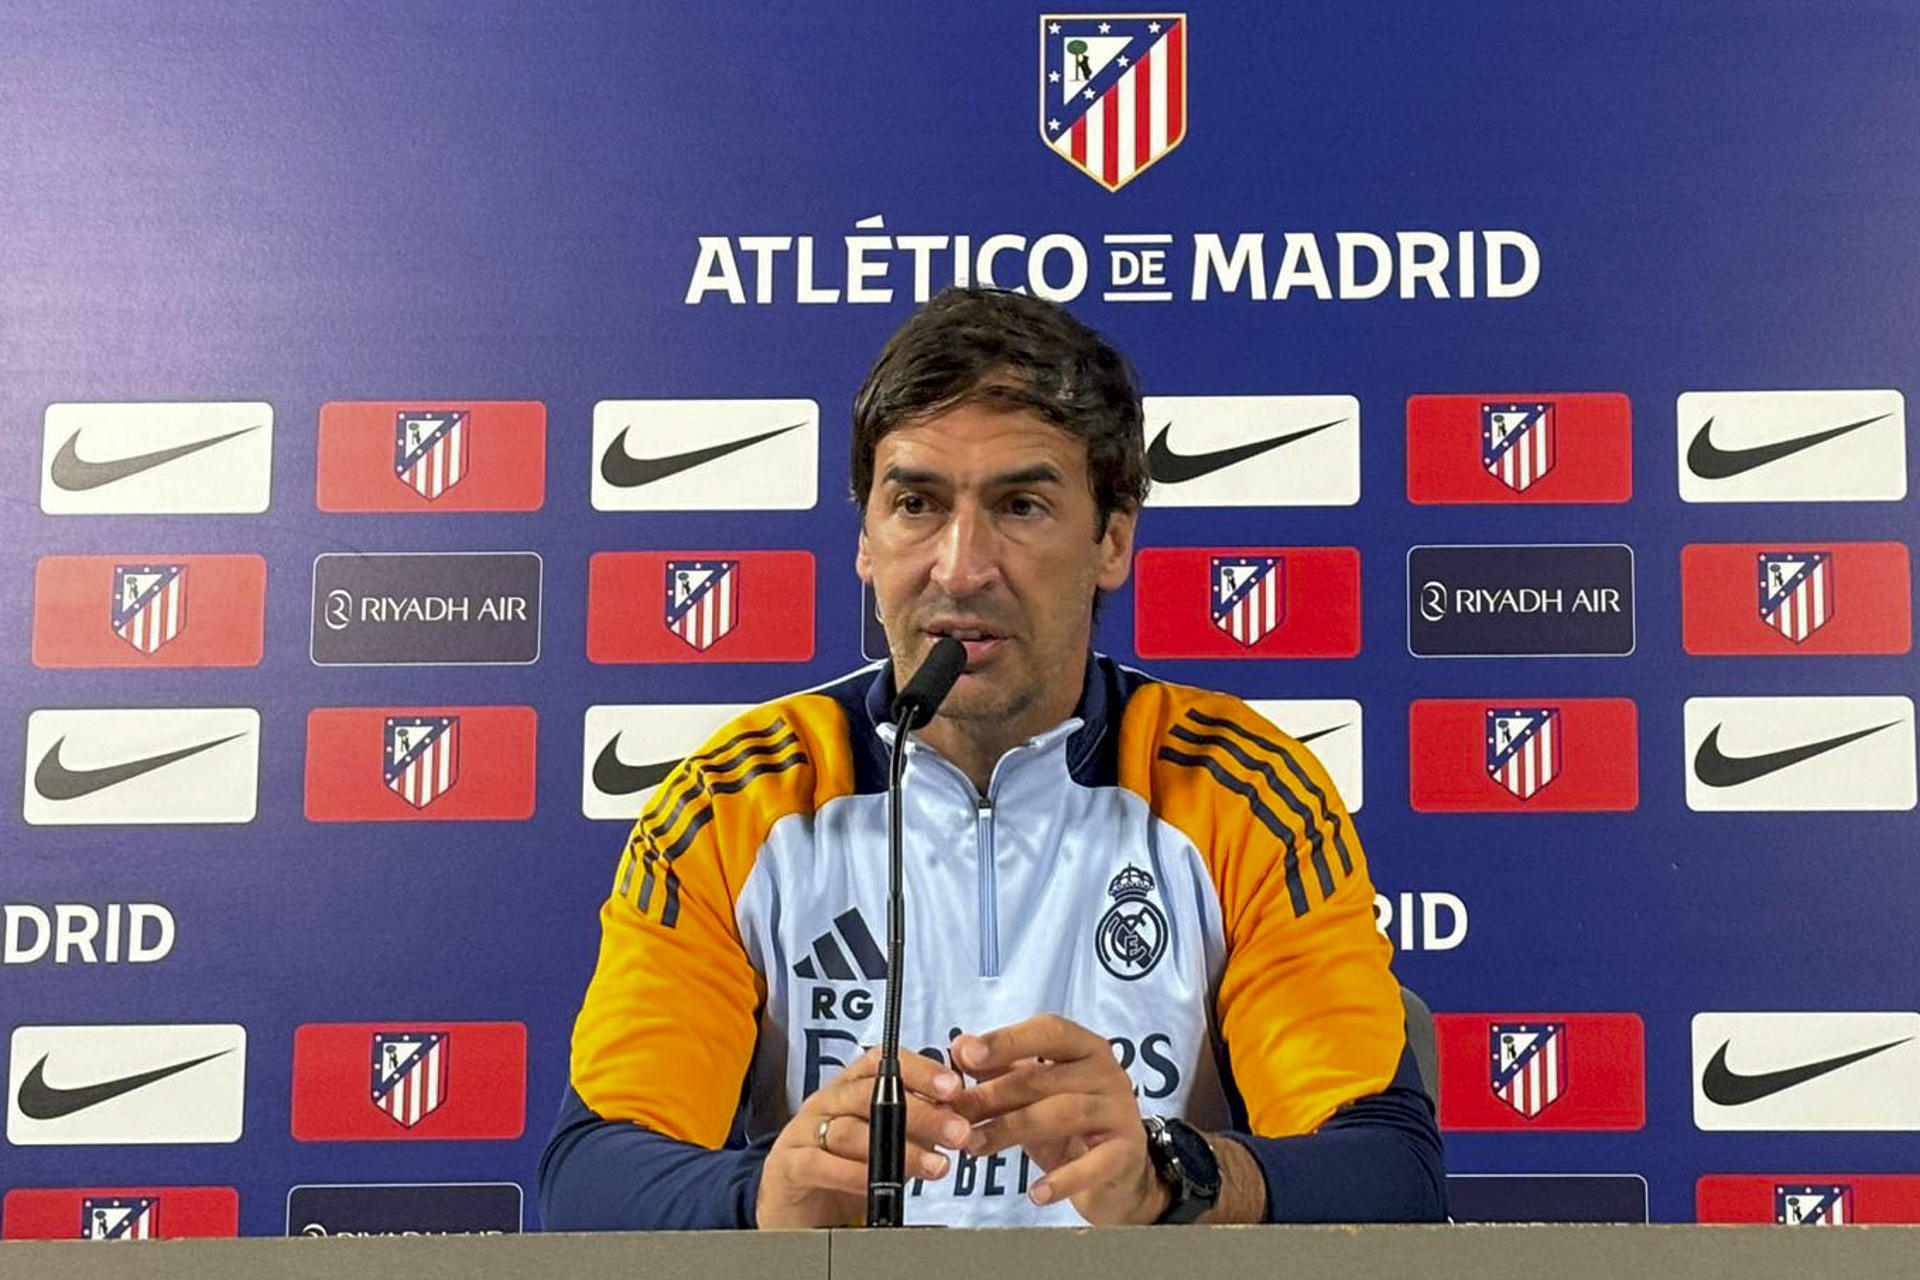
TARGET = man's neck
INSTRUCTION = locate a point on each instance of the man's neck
(976, 746)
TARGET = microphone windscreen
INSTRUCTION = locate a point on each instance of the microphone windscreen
(931, 683)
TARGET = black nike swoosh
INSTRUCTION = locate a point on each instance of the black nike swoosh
(624, 471)
(1710, 463)
(39, 1100)
(615, 777)
(1717, 769)
(75, 474)
(1728, 1088)
(55, 781)
(1168, 467)
(1305, 738)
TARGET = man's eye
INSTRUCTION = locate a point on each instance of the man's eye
(910, 504)
(1023, 506)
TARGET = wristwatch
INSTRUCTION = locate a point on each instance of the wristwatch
(1184, 1161)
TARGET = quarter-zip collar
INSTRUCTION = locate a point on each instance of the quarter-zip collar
(1085, 728)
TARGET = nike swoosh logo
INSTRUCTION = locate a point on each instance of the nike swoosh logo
(624, 471)
(1305, 738)
(1728, 1088)
(76, 475)
(1717, 769)
(55, 781)
(39, 1100)
(1711, 463)
(615, 777)
(1168, 467)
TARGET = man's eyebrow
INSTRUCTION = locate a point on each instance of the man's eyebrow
(1039, 473)
(910, 476)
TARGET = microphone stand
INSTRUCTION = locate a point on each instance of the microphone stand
(887, 1122)
(887, 1134)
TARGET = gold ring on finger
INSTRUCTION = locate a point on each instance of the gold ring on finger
(820, 1135)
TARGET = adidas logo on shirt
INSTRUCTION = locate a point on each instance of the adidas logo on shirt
(846, 952)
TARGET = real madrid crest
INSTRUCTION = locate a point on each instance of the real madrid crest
(1132, 936)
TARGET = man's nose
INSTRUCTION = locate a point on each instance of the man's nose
(968, 559)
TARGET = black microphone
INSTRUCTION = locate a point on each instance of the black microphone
(887, 1124)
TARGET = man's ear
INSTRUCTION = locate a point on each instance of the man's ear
(862, 559)
(1116, 547)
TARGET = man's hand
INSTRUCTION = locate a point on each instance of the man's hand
(816, 1172)
(1052, 1087)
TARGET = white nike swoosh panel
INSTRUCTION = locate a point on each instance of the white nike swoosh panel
(156, 458)
(1792, 446)
(675, 455)
(1796, 1071)
(142, 766)
(648, 735)
(1191, 441)
(87, 1084)
(1775, 754)
(1334, 727)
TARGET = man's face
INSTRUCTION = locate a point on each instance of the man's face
(981, 525)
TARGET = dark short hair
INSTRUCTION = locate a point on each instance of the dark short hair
(1011, 350)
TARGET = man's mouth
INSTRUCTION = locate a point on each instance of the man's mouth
(982, 643)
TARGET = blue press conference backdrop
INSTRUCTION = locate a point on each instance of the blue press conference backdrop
(439, 204)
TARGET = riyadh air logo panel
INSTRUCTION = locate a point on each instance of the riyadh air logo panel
(412, 1208)
(425, 608)
(1546, 1197)
(1782, 754)
(1253, 451)
(1806, 1071)
(1113, 91)
(628, 751)
(1534, 600)
(156, 459)
(706, 455)
(89, 1085)
(150, 765)
(1792, 446)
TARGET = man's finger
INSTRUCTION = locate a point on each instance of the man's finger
(851, 1092)
(1025, 1085)
(1116, 1163)
(1048, 1036)
(848, 1137)
(1063, 1115)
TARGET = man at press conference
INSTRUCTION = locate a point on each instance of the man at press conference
(1141, 972)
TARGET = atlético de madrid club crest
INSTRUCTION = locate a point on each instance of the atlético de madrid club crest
(409, 1078)
(1796, 591)
(1113, 90)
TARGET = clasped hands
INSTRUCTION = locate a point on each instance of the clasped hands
(1045, 1085)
